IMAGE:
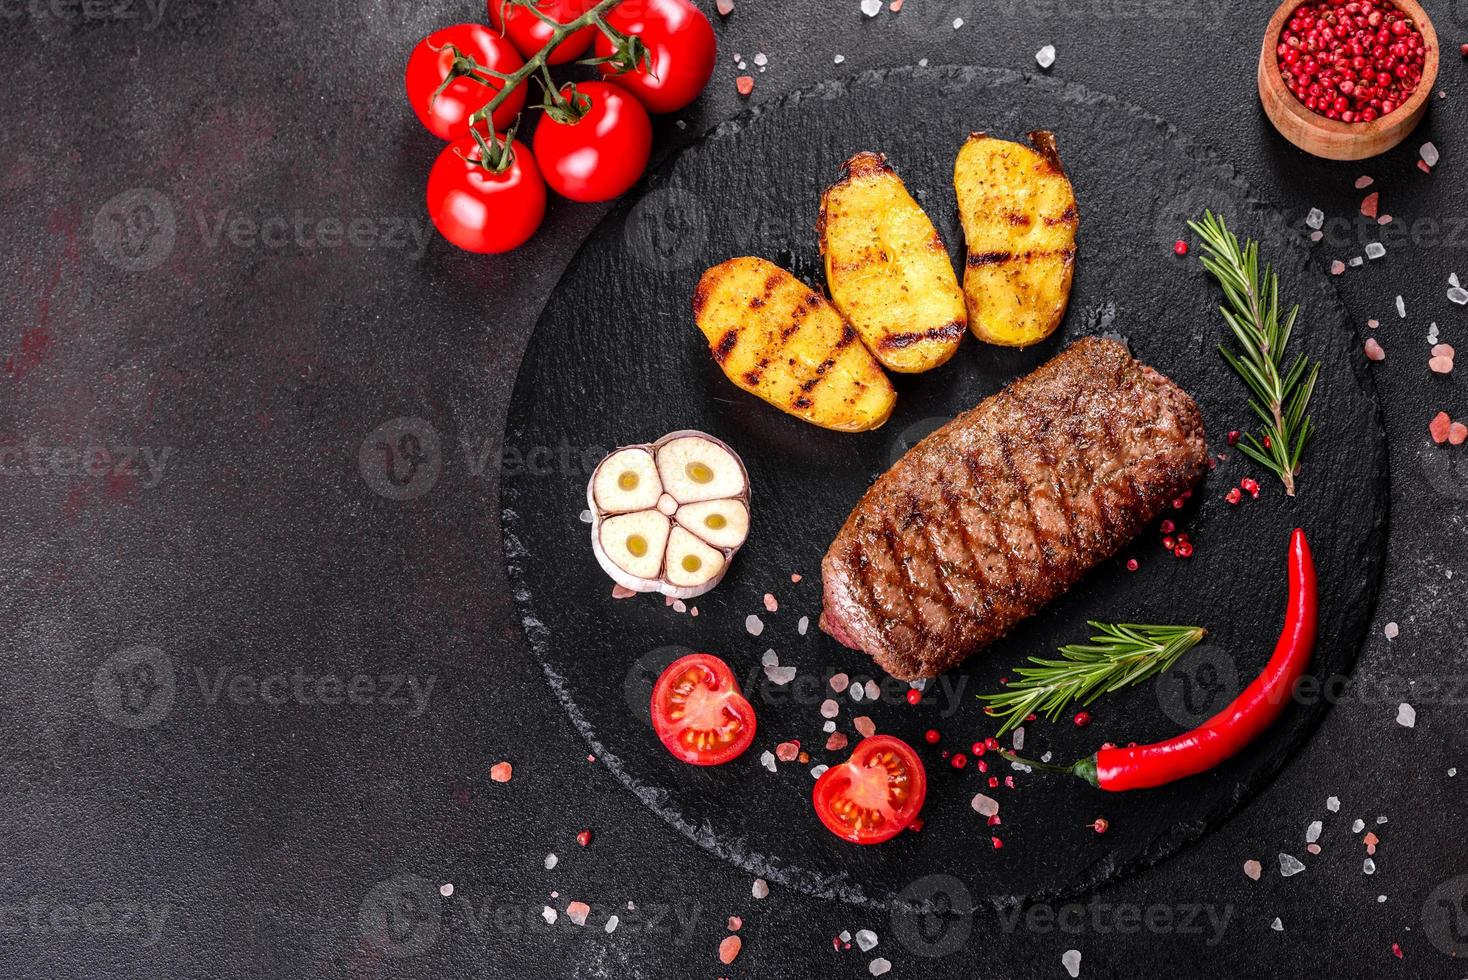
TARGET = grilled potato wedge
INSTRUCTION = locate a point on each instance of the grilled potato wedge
(1019, 217)
(888, 270)
(777, 338)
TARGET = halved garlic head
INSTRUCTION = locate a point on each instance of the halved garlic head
(636, 542)
(627, 480)
(668, 516)
(695, 468)
(691, 562)
(722, 523)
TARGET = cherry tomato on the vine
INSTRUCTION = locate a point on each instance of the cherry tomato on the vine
(600, 155)
(681, 43)
(876, 794)
(434, 58)
(480, 210)
(698, 712)
(529, 33)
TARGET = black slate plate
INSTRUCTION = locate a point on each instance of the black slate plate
(616, 359)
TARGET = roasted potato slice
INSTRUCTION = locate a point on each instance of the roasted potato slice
(887, 269)
(1019, 217)
(777, 338)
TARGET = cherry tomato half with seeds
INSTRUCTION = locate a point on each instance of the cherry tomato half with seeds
(681, 43)
(600, 155)
(528, 33)
(480, 210)
(447, 114)
(873, 796)
(698, 712)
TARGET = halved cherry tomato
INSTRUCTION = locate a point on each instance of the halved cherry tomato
(447, 114)
(874, 795)
(600, 155)
(482, 211)
(698, 712)
(680, 40)
(529, 33)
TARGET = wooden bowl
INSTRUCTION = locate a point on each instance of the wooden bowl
(1330, 138)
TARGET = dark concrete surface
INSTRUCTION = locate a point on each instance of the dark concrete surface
(253, 697)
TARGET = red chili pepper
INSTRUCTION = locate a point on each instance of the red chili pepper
(1226, 733)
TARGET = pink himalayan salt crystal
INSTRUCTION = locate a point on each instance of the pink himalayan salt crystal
(839, 682)
(795, 576)
(1364, 182)
(865, 726)
(787, 751)
(1337, 267)
(1457, 434)
(1441, 365)
(745, 85)
(729, 949)
(1253, 869)
(501, 772)
(577, 912)
(726, 7)
(735, 923)
(771, 603)
(1439, 427)
(1374, 351)
(1444, 350)
(1369, 204)
(836, 742)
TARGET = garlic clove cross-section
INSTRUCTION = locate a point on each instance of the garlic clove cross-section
(668, 516)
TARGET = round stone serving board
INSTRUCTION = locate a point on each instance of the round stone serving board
(617, 359)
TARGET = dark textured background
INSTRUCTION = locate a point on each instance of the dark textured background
(276, 839)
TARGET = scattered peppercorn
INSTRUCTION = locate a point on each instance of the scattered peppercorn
(1234, 496)
(1180, 247)
(1101, 825)
(1082, 719)
(931, 736)
(1132, 565)
(583, 838)
(914, 696)
(958, 761)
(1233, 438)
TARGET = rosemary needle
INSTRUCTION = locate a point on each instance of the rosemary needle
(1118, 656)
(1281, 394)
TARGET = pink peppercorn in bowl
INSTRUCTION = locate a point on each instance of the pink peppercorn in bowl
(1347, 79)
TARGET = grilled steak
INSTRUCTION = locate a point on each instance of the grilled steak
(1007, 506)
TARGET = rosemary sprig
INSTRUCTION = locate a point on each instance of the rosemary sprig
(1253, 314)
(1120, 655)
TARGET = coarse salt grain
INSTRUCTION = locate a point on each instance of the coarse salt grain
(829, 708)
(985, 806)
(1406, 715)
(754, 625)
(1045, 57)
(1289, 865)
(586, 517)
(803, 625)
(1356, 262)
(839, 682)
(1333, 804)
(879, 966)
(1358, 825)
(501, 772)
(612, 923)
(866, 940)
(1312, 832)
(871, 7)
(818, 771)
(1391, 631)
(767, 759)
(1315, 219)
(729, 948)
(1071, 960)
(1337, 267)
(865, 726)
(725, 7)
(548, 914)
(1429, 154)
(1458, 295)
(551, 861)
(1374, 351)
(839, 58)
(957, 23)
(1375, 250)
(873, 691)
(1401, 308)
(771, 603)
(780, 675)
(1368, 866)
(760, 888)
(1277, 925)
(1253, 869)
(770, 658)
(446, 889)
(577, 912)
(858, 692)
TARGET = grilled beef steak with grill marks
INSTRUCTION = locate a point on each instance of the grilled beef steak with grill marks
(1007, 506)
